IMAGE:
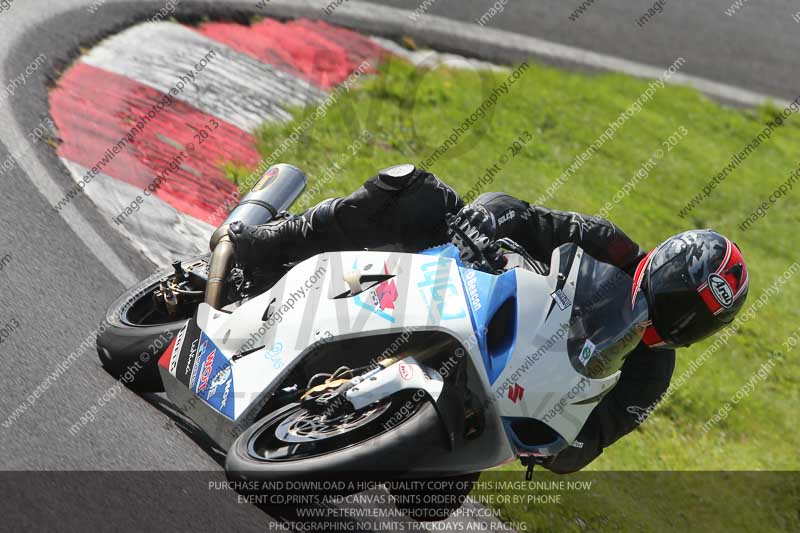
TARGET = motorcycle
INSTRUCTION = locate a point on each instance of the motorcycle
(374, 363)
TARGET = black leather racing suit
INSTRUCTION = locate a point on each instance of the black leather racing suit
(409, 212)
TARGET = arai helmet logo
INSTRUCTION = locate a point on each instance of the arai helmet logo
(721, 290)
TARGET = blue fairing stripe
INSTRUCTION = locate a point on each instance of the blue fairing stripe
(449, 251)
(485, 293)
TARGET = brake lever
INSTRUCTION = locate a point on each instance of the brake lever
(496, 260)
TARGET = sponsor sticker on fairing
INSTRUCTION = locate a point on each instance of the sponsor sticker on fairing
(561, 299)
(472, 291)
(215, 377)
(586, 352)
(205, 372)
(406, 371)
(194, 360)
(176, 351)
(274, 355)
(438, 291)
(219, 379)
(180, 361)
(381, 299)
(224, 400)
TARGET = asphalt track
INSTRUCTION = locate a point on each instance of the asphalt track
(56, 289)
(756, 49)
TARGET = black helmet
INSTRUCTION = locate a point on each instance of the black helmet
(694, 283)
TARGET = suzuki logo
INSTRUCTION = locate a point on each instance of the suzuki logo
(515, 392)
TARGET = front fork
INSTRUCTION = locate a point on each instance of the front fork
(381, 382)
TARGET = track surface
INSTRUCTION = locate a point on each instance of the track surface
(755, 49)
(57, 290)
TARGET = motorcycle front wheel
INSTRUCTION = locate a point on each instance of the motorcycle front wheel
(381, 441)
(385, 442)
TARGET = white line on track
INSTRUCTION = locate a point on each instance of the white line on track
(17, 143)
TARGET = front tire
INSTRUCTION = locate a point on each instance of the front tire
(267, 451)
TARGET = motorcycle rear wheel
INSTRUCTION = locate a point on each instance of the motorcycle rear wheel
(134, 334)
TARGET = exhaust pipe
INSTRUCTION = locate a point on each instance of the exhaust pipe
(275, 191)
(218, 268)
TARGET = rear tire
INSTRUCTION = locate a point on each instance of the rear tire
(130, 351)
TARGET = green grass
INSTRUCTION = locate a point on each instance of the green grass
(651, 502)
(409, 112)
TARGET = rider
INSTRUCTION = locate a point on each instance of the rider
(694, 282)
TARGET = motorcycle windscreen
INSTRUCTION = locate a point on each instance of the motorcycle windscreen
(606, 324)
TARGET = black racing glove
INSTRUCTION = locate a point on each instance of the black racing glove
(473, 231)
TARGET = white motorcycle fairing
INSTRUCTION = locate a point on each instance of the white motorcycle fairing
(513, 329)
